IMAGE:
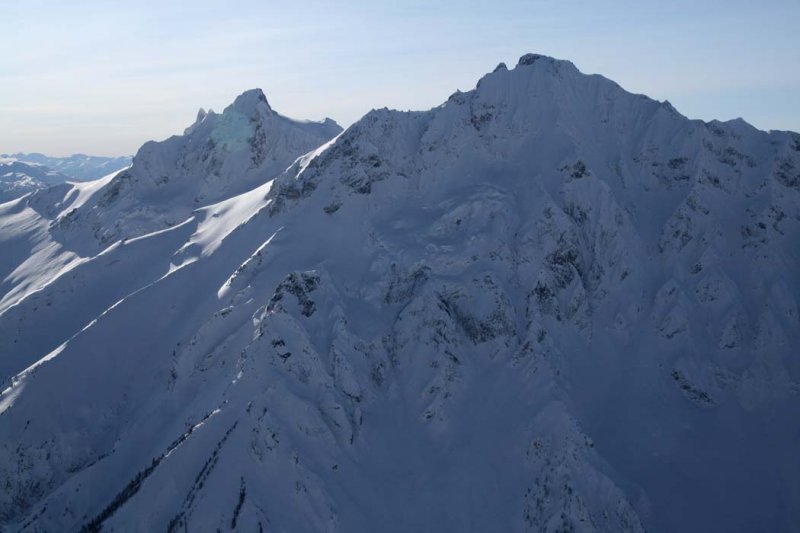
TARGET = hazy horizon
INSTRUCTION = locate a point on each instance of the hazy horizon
(93, 78)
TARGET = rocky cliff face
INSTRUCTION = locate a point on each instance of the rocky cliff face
(545, 305)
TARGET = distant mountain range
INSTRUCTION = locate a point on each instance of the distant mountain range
(23, 173)
(79, 167)
(18, 178)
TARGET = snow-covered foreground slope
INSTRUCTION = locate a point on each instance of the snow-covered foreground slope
(546, 305)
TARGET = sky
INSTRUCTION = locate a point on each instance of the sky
(103, 77)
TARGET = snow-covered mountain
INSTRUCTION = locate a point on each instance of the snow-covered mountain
(545, 305)
(23, 173)
(18, 178)
(79, 167)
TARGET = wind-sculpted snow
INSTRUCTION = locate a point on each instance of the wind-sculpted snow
(545, 305)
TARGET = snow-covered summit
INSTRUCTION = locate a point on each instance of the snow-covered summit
(228, 153)
(530, 59)
(251, 102)
(217, 157)
(18, 178)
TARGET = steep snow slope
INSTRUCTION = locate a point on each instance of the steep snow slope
(546, 305)
(18, 178)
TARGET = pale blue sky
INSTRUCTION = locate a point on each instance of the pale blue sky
(102, 77)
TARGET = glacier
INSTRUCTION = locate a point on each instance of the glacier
(547, 304)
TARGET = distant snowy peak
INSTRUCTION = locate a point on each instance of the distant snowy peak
(544, 111)
(548, 114)
(541, 60)
(228, 153)
(250, 102)
(33, 170)
(18, 178)
(548, 82)
(78, 167)
(530, 59)
(219, 156)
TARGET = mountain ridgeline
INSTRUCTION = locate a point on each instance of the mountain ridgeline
(545, 305)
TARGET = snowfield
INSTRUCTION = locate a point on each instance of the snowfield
(546, 305)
